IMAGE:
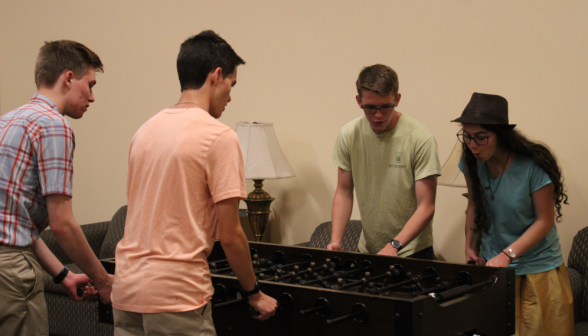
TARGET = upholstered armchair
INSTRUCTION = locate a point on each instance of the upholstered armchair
(67, 317)
(578, 271)
(321, 237)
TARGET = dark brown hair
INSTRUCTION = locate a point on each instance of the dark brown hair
(58, 56)
(201, 54)
(514, 142)
(378, 78)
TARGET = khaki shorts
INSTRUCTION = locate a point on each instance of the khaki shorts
(22, 301)
(194, 322)
(544, 304)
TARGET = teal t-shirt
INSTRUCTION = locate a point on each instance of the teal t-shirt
(512, 213)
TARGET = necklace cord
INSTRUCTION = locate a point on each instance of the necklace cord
(499, 179)
(189, 102)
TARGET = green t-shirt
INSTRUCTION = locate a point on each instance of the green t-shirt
(385, 168)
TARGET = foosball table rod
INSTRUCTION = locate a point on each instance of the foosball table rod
(359, 313)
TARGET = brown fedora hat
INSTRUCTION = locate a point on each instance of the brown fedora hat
(485, 109)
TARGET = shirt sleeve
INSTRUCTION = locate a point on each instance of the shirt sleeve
(224, 168)
(426, 161)
(54, 149)
(461, 166)
(341, 155)
(539, 178)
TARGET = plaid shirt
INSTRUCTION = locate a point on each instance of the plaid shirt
(36, 159)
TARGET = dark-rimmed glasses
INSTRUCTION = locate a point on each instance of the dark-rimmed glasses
(370, 109)
(467, 139)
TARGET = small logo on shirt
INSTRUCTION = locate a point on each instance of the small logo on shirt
(397, 161)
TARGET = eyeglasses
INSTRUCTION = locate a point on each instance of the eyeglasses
(370, 109)
(466, 139)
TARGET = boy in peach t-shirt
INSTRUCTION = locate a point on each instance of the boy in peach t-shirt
(185, 176)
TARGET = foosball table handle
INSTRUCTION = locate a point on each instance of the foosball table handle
(453, 293)
(286, 302)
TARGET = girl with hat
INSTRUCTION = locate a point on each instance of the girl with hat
(515, 189)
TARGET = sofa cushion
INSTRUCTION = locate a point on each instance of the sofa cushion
(70, 318)
(116, 230)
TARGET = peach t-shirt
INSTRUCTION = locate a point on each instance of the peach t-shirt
(181, 162)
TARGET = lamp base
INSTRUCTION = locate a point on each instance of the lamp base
(258, 209)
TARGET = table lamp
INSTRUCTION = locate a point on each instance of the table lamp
(451, 176)
(263, 160)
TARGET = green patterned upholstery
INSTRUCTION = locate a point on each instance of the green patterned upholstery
(581, 329)
(115, 233)
(578, 271)
(67, 317)
(578, 288)
(321, 237)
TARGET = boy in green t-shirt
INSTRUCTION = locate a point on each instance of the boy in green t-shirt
(392, 162)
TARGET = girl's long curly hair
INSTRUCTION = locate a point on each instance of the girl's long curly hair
(514, 142)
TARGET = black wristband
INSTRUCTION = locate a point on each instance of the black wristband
(509, 257)
(254, 291)
(59, 278)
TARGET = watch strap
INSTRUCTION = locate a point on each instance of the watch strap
(59, 278)
(396, 244)
(254, 291)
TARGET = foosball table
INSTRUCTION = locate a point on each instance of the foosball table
(323, 293)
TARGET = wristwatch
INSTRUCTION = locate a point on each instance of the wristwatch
(254, 291)
(396, 244)
(512, 254)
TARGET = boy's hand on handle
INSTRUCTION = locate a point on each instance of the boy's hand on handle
(264, 305)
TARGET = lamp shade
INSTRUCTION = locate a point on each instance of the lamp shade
(262, 154)
(451, 176)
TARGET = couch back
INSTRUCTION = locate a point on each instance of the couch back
(321, 237)
(116, 230)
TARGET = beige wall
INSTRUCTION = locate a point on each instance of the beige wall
(302, 61)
